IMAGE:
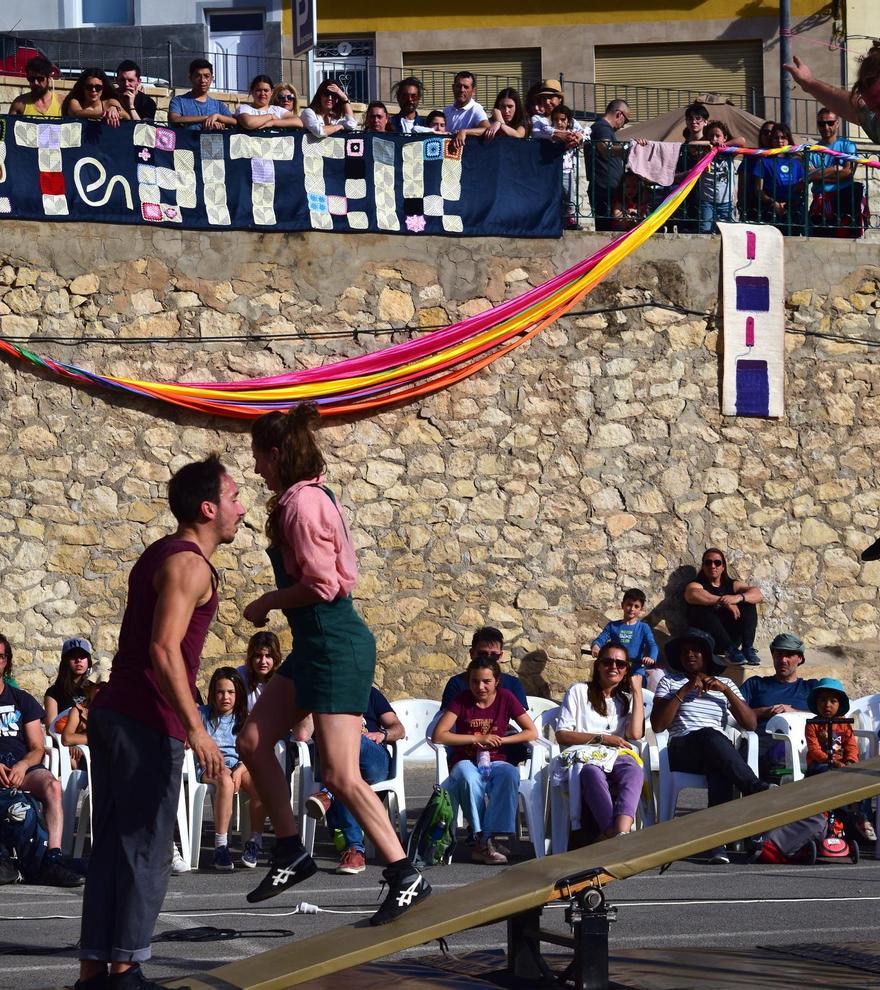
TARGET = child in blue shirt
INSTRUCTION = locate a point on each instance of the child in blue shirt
(223, 718)
(633, 635)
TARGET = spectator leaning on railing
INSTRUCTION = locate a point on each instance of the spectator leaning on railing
(408, 93)
(94, 97)
(138, 105)
(329, 112)
(260, 113)
(507, 116)
(465, 116)
(837, 199)
(42, 100)
(376, 117)
(195, 109)
(605, 161)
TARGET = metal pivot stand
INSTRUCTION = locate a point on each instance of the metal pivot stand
(589, 916)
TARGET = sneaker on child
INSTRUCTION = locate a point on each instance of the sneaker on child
(352, 861)
(222, 859)
(178, 863)
(318, 804)
(251, 854)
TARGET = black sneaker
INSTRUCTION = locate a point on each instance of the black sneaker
(53, 874)
(99, 982)
(284, 873)
(404, 890)
(134, 979)
(8, 871)
(753, 658)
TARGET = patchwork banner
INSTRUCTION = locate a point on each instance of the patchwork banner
(384, 183)
(753, 289)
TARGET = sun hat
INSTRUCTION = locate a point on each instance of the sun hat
(550, 86)
(830, 684)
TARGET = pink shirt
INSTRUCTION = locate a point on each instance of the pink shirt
(315, 542)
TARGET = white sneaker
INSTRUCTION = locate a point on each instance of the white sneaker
(178, 863)
(718, 856)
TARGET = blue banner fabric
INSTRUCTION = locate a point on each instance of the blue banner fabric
(382, 183)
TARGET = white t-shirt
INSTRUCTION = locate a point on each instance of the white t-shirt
(315, 124)
(463, 118)
(698, 711)
(576, 714)
(270, 111)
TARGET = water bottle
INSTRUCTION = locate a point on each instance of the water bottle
(484, 762)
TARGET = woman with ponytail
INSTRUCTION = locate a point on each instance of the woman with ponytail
(328, 673)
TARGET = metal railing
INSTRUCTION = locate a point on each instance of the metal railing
(837, 204)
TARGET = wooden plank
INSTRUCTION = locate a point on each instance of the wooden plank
(537, 882)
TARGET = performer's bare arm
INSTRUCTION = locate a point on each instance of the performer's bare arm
(838, 100)
(294, 596)
(182, 584)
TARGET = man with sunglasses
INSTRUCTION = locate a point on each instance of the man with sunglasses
(605, 159)
(42, 100)
(724, 608)
(835, 195)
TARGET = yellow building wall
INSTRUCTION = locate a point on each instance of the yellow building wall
(350, 17)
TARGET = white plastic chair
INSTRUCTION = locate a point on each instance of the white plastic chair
(537, 706)
(73, 783)
(193, 794)
(790, 729)
(866, 713)
(415, 714)
(673, 782)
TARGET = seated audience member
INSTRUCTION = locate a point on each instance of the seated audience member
(838, 202)
(376, 117)
(507, 116)
(74, 725)
(94, 97)
(832, 744)
(69, 687)
(634, 635)
(408, 93)
(606, 712)
(716, 183)
(562, 119)
(195, 109)
(464, 116)
(783, 691)
(380, 726)
(482, 781)
(696, 705)
(436, 121)
(223, 718)
(487, 643)
(724, 608)
(748, 203)
(285, 96)
(21, 753)
(42, 100)
(137, 104)
(6, 662)
(261, 113)
(605, 157)
(329, 112)
(779, 184)
(263, 658)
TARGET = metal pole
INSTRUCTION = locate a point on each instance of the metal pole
(170, 68)
(785, 56)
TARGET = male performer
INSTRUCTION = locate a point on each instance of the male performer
(138, 725)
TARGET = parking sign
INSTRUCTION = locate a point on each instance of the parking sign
(305, 21)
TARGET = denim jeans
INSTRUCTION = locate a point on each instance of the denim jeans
(375, 765)
(488, 803)
(714, 211)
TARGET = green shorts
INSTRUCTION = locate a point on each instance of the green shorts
(333, 658)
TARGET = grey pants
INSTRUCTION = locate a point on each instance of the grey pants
(135, 788)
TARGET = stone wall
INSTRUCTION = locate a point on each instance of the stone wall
(528, 496)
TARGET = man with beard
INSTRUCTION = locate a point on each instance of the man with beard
(41, 101)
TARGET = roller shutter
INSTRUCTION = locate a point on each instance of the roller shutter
(656, 78)
(493, 71)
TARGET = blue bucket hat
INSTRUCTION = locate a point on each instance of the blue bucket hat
(672, 651)
(830, 684)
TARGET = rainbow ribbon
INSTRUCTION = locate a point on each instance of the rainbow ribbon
(401, 372)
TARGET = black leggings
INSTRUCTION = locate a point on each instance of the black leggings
(723, 628)
(710, 752)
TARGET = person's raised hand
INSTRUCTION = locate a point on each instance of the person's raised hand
(799, 71)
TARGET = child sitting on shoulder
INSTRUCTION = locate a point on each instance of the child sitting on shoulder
(223, 718)
(634, 635)
(832, 744)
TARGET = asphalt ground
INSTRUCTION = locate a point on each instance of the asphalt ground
(691, 905)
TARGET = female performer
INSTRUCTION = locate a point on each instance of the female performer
(329, 672)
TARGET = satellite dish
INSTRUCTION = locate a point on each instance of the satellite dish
(344, 48)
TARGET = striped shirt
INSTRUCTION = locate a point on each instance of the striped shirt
(698, 711)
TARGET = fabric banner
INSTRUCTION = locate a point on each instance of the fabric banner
(753, 287)
(384, 183)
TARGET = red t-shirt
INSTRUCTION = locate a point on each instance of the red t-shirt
(470, 720)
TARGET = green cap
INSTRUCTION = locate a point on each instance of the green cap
(788, 643)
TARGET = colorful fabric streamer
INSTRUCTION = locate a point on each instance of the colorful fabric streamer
(406, 371)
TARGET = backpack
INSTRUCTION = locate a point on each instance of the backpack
(432, 839)
(23, 835)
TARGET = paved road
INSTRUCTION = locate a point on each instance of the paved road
(692, 904)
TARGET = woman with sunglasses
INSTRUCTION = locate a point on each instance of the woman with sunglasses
(696, 706)
(94, 97)
(329, 112)
(482, 780)
(607, 711)
(725, 608)
(285, 96)
(261, 113)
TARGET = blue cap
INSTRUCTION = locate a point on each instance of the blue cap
(76, 643)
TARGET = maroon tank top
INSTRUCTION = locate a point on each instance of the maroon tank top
(133, 688)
